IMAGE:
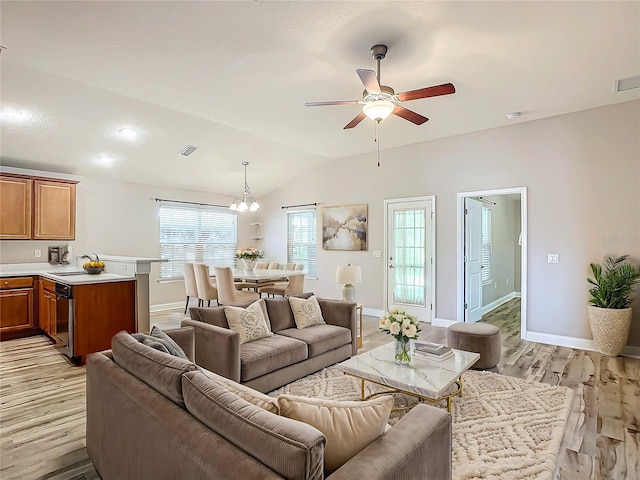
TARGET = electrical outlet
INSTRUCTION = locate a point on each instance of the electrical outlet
(377, 253)
(37, 253)
(553, 258)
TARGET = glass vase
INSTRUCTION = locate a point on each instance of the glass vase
(249, 264)
(403, 351)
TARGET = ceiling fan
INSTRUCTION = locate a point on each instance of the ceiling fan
(379, 101)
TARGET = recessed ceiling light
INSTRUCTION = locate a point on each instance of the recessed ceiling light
(10, 112)
(105, 160)
(513, 115)
(128, 132)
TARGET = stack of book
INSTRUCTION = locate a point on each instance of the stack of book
(432, 351)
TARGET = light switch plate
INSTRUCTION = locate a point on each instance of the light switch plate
(37, 253)
(377, 253)
(553, 258)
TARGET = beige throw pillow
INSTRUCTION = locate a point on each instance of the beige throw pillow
(248, 322)
(348, 426)
(249, 394)
(306, 311)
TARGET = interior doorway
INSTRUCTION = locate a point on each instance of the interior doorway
(409, 253)
(492, 246)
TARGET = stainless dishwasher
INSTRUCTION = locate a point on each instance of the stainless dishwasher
(64, 317)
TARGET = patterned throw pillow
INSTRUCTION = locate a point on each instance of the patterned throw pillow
(306, 312)
(248, 322)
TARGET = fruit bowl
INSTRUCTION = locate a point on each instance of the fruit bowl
(93, 270)
(93, 266)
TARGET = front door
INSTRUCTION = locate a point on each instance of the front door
(473, 260)
(410, 256)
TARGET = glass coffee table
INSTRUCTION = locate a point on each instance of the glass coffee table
(428, 380)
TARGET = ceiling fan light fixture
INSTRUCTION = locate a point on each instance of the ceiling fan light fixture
(378, 110)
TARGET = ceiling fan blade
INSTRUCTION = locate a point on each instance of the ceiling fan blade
(338, 102)
(409, 115)
(361, 116)
(435, 91)
(369, 79)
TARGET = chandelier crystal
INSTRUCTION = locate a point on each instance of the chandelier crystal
(246, 202)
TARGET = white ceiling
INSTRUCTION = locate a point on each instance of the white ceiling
(232, 78)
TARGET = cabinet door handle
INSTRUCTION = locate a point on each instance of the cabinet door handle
(6, 283)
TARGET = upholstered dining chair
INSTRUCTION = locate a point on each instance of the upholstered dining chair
(288, 266)
(190, 285)
(273, 266)
(299, 266)
(262, 265)
(294, 286)
(206, 289)
(228, 294)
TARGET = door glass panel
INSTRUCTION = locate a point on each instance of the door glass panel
(409, 254)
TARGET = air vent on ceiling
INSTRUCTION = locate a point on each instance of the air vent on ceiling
(628, 83)
(188, 150)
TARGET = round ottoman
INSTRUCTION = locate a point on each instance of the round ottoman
(481, 338)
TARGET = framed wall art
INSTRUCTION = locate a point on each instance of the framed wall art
(344, 227)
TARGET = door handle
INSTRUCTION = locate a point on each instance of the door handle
(392, 266)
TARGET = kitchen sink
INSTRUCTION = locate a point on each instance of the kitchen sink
(67, 274)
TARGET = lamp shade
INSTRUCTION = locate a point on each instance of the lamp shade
(349, 274)
(378, 109)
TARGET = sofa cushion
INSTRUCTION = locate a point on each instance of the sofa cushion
(160, 341)
(269, 354)
(280, 314)
(159, 370)
(249, 322)
(291, 449)
(259, 399)
(320, 338)
(212, 316)
(348, 426)
(306, 312)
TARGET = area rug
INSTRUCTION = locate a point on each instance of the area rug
(504, 428)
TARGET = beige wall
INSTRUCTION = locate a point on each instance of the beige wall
(582, 173)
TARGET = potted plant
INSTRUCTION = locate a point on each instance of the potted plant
(248, 256)
(609, 312)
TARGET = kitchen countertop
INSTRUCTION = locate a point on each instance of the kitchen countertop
(50, 271)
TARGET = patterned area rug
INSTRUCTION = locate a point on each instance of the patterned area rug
(503, 427)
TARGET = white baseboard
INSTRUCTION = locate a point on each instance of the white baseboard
(372, 312)
(496, 303)
(517, 294)
(442, 322)
(575, 342)
(168, 306)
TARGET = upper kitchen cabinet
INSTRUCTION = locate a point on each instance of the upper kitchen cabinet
(15, 208)
(55, 210)
(37, 208)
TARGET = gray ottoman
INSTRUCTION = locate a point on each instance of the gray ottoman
(481, 338)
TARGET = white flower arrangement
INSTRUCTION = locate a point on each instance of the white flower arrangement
(401, 325)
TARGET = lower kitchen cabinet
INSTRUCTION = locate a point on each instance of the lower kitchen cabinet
(16, 307)
(47, 307)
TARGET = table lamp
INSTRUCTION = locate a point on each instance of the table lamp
(348, 276)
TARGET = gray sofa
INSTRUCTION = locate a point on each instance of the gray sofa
(151, 415)
(291, 353)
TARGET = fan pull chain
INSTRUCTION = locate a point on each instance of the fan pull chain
(377, 140)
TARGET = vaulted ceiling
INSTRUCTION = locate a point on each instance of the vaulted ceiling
(232, 79)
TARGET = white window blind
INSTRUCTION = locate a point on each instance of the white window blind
(301, 239)
(194, 233)
(486, 245)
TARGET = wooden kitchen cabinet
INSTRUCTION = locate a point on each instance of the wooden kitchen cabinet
(15, 207)
(54, 210)
(16, 306)
(47, 307)
(37, 208)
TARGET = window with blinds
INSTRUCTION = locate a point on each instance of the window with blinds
(486, 245)
(193, 233)
(301, 239)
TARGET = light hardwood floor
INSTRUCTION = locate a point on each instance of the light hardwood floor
(42, 402)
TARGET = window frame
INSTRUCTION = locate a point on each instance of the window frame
(310, 267)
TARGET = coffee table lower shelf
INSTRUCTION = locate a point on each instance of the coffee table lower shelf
(421, 399)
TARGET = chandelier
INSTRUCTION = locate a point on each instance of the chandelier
(246, 202)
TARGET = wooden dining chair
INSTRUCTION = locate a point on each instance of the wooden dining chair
(294, 286)
(207, 290)
(190, 284)
(227, 292)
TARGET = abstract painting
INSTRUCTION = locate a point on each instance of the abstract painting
(344, 227)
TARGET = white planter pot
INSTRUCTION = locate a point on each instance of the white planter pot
(610, 328)
(249, 264)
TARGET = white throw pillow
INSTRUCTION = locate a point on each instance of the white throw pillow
(306, 311)
(348, 426)
(249, 394)
(249, 322)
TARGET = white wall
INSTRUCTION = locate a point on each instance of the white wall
(582, 173)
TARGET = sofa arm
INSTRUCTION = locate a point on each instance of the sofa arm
(418, 446)
(185, 339)
(342, 314)
(216, 349)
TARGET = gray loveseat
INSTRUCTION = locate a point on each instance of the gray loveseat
(289, 354)
(154, 416)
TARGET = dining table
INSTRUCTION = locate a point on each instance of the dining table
(261, 275)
